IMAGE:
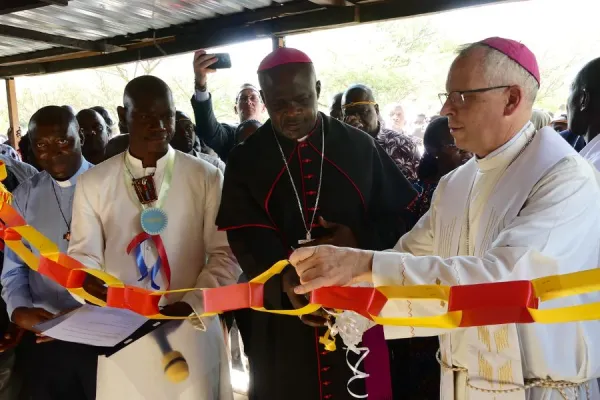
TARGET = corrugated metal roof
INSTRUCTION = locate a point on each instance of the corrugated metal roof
(100, 19)
(9, 46)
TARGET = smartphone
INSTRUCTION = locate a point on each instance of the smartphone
(223, 61)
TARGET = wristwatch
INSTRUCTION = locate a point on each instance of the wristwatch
(198, 87)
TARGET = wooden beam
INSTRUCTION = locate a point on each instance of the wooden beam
(22, 5)
(411, 8)
(12, 6)
(13, 112)
(60, 53)
(28, 34)
(33, 56)
(56, 2)
(332, 3)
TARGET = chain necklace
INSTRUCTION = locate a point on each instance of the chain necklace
(473, 184)
(67, 235)
(308, 227)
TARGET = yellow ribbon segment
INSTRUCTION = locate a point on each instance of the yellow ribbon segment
(328, 341)
(44, 245)
(3, 172)
(271, 272)
(19, 248)
(557, 286)
(161, 316)
(87, 297)
(581, 312)
(105, 277)
(163, 292)
(309, 309)
(447, 321)
(422, 292)
(268, 274)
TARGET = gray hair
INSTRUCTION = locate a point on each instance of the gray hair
(502, 70)
(540, 119)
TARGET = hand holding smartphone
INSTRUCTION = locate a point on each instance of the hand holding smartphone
(223, 61)
(205, 64)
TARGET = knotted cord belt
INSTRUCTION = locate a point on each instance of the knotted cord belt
(560, 386)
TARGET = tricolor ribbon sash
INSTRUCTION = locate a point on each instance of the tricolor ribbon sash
(136, 247)
(136, 244)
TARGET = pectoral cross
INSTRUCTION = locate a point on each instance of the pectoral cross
(67, 236)
(307, 240)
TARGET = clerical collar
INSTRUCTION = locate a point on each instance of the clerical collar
(314, 129)
(504, 154)
(137, 164)
(73, 180)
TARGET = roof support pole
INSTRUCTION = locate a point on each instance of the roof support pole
(278, 41)
(13, 112)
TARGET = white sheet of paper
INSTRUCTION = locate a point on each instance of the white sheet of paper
(95, 326)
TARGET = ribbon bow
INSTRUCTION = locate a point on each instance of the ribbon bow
(136, 246)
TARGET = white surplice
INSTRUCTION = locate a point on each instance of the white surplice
(591, 152)
(106, 217)
(531, 214)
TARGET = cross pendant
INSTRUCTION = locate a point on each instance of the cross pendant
(307, 240)
(67, 236)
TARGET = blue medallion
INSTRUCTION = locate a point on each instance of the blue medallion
(154, 221)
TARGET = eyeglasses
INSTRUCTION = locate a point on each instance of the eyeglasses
(253, 98)
(457, 98)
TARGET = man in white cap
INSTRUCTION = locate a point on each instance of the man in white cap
(221, 137)
(508, 214)
(559, 123)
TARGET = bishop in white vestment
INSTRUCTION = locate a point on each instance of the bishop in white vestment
(106, 217)
(527, 207)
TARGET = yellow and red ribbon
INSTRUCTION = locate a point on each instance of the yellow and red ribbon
(468, 305)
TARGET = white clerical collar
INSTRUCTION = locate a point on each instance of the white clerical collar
(73, 180)
(503, 155)
(160, 163)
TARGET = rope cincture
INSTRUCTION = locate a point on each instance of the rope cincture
(560, 386)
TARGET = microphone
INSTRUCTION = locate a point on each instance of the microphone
(175, 366)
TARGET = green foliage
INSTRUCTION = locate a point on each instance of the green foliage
(402, 61)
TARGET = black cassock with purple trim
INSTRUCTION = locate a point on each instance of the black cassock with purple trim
(362, 188)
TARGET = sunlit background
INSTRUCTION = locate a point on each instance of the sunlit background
(404, 61)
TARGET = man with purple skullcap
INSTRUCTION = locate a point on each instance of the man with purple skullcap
(527, 206)
(301, 179)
